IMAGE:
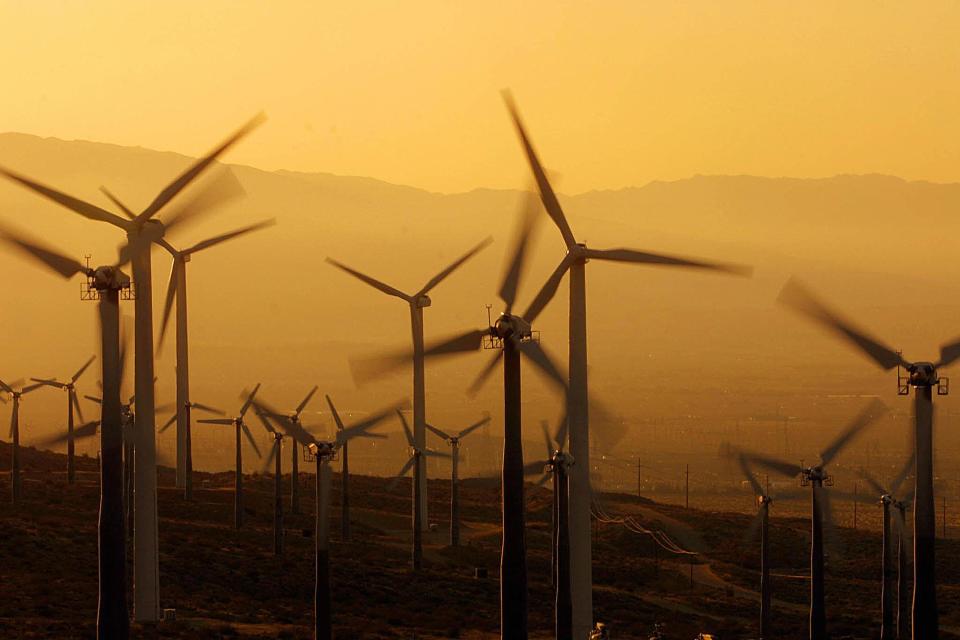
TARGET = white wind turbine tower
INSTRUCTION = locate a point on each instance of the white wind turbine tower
(141, 230)
(72, 403)
(417, 302)
(106, 284)
(177, 288)
(575, 262)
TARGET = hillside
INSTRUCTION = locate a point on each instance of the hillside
(228, 584)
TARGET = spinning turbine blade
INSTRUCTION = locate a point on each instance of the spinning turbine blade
(168, 300)
(65, 266)
(203, 407)
(336, 416)
(642, 257)
(548, 290)
(778, 466)
(437, 279)
(533, 350)
(365, 369)
(748, 474)
(76, 404)
(359, 428)
(949, 353)
(76, 205)
(216, 421)
(116, 202)
(80, 371)
(547, 195)
(219, 189)
(168, 423)
(796, 296)
(303, 405)
(376, 284)
(253, 443)
(485, 373)
(196, 169)
(473, 427)
(904, 472)
(249, 400)
(83, 431)
(436, 431)
(511, 277)
(50, 382)
(223, 237)
(871, 412)
(406, 429)
(870, 480)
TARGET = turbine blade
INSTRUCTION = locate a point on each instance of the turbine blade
(535, 467)
(293, 429)
(168, 300)
(777, 466)
(868, 414)
(76, 205)
(223, 237)
(560, 433)
(93, 399)
(270, 457)
(436, 431)
(643, 257)
(365, 369)
(402, 472)
(50, 382)
(546, 437)
(870, 480)
(185, 178)
(5, 387)
(336, 415)
(253, 443)
(949, 353)
(797, 297)
(547, 195)
(216, 191)
(65, 266)
(361, 427)
(485, 373)
(533, 350)
(209, 409)
(406, 429)
(223, 421)
(476, 425)
(116, 202)
(376, 284)
(748, 474)
(549, 289)
(510, 283)
(303, 405)
(82, 431)
(168, 423)
(76, 404)
(80, 371)
(32, 387)
(437, 279)
(249, 400)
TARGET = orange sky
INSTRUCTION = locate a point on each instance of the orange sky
(616, 93)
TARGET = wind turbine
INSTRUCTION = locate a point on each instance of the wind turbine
(558, 464)
(105, 284)
(417, 303)
(454, 442)
(322, 452)
(274, 457)
(15, 485)
(72, 403)
(143, 229)
(511, 335)
(294, 416)
(923, 376)
(187, 410)
(177, 288)
(239, 425)
(575, 262)
(888, 500)
(416, 462)
(816, 477)
(345, 469)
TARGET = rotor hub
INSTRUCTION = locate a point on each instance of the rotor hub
(423, 301)
(508, 326)
(923, 374)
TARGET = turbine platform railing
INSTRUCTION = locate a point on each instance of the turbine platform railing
(492, 341)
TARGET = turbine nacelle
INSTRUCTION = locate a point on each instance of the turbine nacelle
(508, 325)
(109, 277)
(322, 449)
(816, 475)
(923, 374)
(886, 499)
(763, 501)
(422, 301)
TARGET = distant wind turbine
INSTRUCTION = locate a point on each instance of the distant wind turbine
(345, 466)
(454, 442)
(177, 289)
(16, 391)
(294, 416)
(418, 302)
(239, 426)
(575, 262)
(72, 403)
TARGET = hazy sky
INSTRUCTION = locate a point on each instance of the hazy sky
(616, 93)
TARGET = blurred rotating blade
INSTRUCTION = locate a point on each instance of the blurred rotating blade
(642, 257)
(533, 350)
(366, 369)
(549, 289)
(52, 259)
(868, 414)
(437, 279)
(797, 297)
(406, 429)
(485, 373)
(510, 283)
(253, 443)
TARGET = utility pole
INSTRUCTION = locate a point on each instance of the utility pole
(687, 490)
(639, 476)
(944, 517)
